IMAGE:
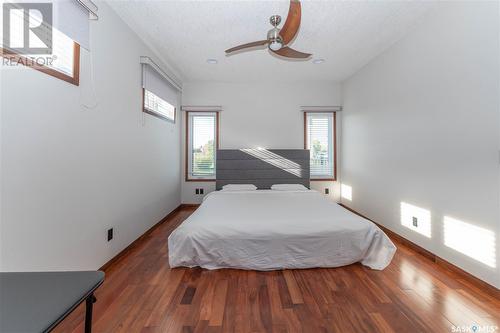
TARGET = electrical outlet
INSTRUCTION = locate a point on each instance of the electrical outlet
(327, 190)
(110, 234)
(415, 221)
(201, 191)
(197, 191)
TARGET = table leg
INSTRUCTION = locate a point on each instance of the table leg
(89, 304)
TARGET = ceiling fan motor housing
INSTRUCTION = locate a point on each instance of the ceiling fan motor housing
(274, 38)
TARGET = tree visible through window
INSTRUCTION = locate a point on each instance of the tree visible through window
(320, 140)
(202, 145)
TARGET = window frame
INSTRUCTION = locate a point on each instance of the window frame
(188, 148)
(153, 112)
(75, 79)
(334, 143)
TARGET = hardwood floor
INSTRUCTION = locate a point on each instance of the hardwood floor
(142, 294)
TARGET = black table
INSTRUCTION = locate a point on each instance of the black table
(38, 301)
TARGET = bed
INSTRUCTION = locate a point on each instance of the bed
(267, 229)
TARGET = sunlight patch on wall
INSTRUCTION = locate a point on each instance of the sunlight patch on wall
(473, 241)
(346, 192)
(275, 160)
(416, 218)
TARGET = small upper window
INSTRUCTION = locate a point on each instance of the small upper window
(160, 97)
(320, 140)
(63, 63)
(158, 107)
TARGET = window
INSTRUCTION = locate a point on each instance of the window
(64, 50)
(201, 145)
(156, 106)
(63, 63)
(160, 96)
(319, 138)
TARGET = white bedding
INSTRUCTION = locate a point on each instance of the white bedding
(267, 230)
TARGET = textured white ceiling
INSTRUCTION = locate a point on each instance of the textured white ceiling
(347, 34)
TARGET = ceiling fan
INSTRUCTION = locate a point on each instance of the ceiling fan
(278, 39)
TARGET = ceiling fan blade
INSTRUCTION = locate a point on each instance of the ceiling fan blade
(292, 22)
(291, 53)
(247, 45)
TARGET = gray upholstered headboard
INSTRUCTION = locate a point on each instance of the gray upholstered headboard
(262, 167)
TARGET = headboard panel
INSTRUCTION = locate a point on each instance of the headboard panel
(262, 167)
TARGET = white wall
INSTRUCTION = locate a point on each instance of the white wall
(69, 173)
(259, 115)
(421, 125)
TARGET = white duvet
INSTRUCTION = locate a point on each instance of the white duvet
(268, 230)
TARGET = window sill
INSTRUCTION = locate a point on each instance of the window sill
(200, 180)
(24, 60)
(158, 115)
(323, 179)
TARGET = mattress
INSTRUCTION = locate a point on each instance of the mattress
(270, 230)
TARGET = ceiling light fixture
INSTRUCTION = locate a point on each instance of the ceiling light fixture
(212, 61)
(318, 61)
(278, 39)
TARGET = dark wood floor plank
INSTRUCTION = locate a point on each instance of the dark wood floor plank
(239, 305)
(230, 311)
(285, 298)
(207, 297)
(293, 288)
(159, 312)
(254, 283)
(142, 293)
(381, 324)
(284, 317)
(219, 303)
(265, 308)
(187, 298)
(396, 319)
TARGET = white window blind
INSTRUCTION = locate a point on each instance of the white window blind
(160, 96)
(202, 144)
(153, 103)
(319, 136)
(71, 17)
(63, 49)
